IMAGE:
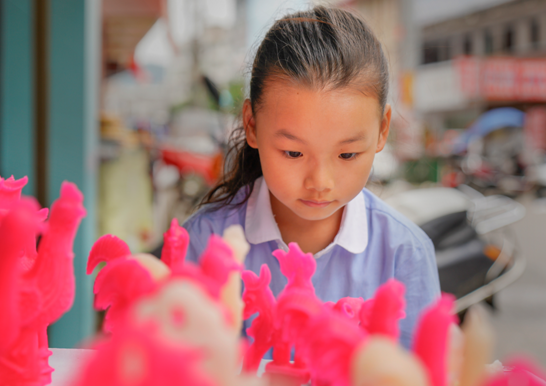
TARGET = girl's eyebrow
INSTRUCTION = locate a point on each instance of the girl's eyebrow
(356, 138)
(284, 133)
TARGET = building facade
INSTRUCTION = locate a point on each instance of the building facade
(486, 59)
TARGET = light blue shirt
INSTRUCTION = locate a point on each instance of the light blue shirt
(374, 243)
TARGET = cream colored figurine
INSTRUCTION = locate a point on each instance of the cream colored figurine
(230, 295)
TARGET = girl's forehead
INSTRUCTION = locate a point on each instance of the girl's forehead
(295, 106)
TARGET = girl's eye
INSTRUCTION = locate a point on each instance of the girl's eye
(293, 154)
(347, 155)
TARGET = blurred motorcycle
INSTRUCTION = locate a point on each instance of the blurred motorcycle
(476, 252)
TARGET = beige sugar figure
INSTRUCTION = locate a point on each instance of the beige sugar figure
(382, 362)
(231, 293)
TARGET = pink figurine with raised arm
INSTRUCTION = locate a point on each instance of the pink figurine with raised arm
(42, 283)
(258, 298)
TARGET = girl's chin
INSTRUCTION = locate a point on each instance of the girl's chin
(315, 214)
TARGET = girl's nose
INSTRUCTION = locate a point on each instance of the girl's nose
(320, 178)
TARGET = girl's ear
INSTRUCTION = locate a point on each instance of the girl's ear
(249, 124)
(384, 128)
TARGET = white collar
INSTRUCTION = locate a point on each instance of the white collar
(260, 225)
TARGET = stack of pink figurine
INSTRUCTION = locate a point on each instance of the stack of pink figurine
(36, 286)
(172, 322)
(352, 342)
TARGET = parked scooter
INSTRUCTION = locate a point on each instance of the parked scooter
(476, 253)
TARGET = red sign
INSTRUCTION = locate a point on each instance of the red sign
(532, 80)
(469, 69)
(499, 78)
(506, 79)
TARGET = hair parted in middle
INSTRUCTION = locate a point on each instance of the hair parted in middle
(323, 49)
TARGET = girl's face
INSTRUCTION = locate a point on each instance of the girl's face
(316, 147)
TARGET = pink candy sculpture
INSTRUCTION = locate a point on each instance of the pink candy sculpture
(381, 314)
(326, 336)
(175, 246)
(126, 277)
(37, 287)
(119, 283)
(431, 338)
(520, 372)
(134, 358)
(258, 298)
(169, 318)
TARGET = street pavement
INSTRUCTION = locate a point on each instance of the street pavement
(520, 318)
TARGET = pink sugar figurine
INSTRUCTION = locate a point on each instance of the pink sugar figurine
(107, 248)
(349, 307)
(328, 343)
(16, 228)
(298, 267)
(42, 283)
(217, 260)
(431, 338)
(123, 280)
(176, 241)
(215, 266)
(258, 298)
(117, 286)
(387, 309)
(134, 358)
(519, 372)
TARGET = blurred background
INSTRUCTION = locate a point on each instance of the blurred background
(133, 100)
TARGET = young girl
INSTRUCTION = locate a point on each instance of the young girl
(316, 117)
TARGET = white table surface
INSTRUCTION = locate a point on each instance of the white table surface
(67, 363)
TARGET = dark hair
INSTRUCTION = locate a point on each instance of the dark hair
(322, 48)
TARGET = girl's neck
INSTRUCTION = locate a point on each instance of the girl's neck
(311, 235)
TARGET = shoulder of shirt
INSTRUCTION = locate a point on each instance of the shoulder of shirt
(216, 217)
(376, 207)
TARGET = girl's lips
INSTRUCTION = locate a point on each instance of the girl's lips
(316, 204)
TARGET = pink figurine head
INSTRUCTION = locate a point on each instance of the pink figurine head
(387, 309)
(10, 191)
(257, 295)
(176, 241)
(107, 248)
(217, 260)
(298, 267)
(117, 286)
(68, 210)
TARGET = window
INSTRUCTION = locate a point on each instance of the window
(534, 33)
(467, 45)
(431, 53)
(437, 51)
(508, 39)
(488, 42)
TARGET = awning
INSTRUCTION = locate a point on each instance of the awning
(488, 122)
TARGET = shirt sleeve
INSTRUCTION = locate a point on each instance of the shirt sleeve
(418, 270)
(200, 229)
